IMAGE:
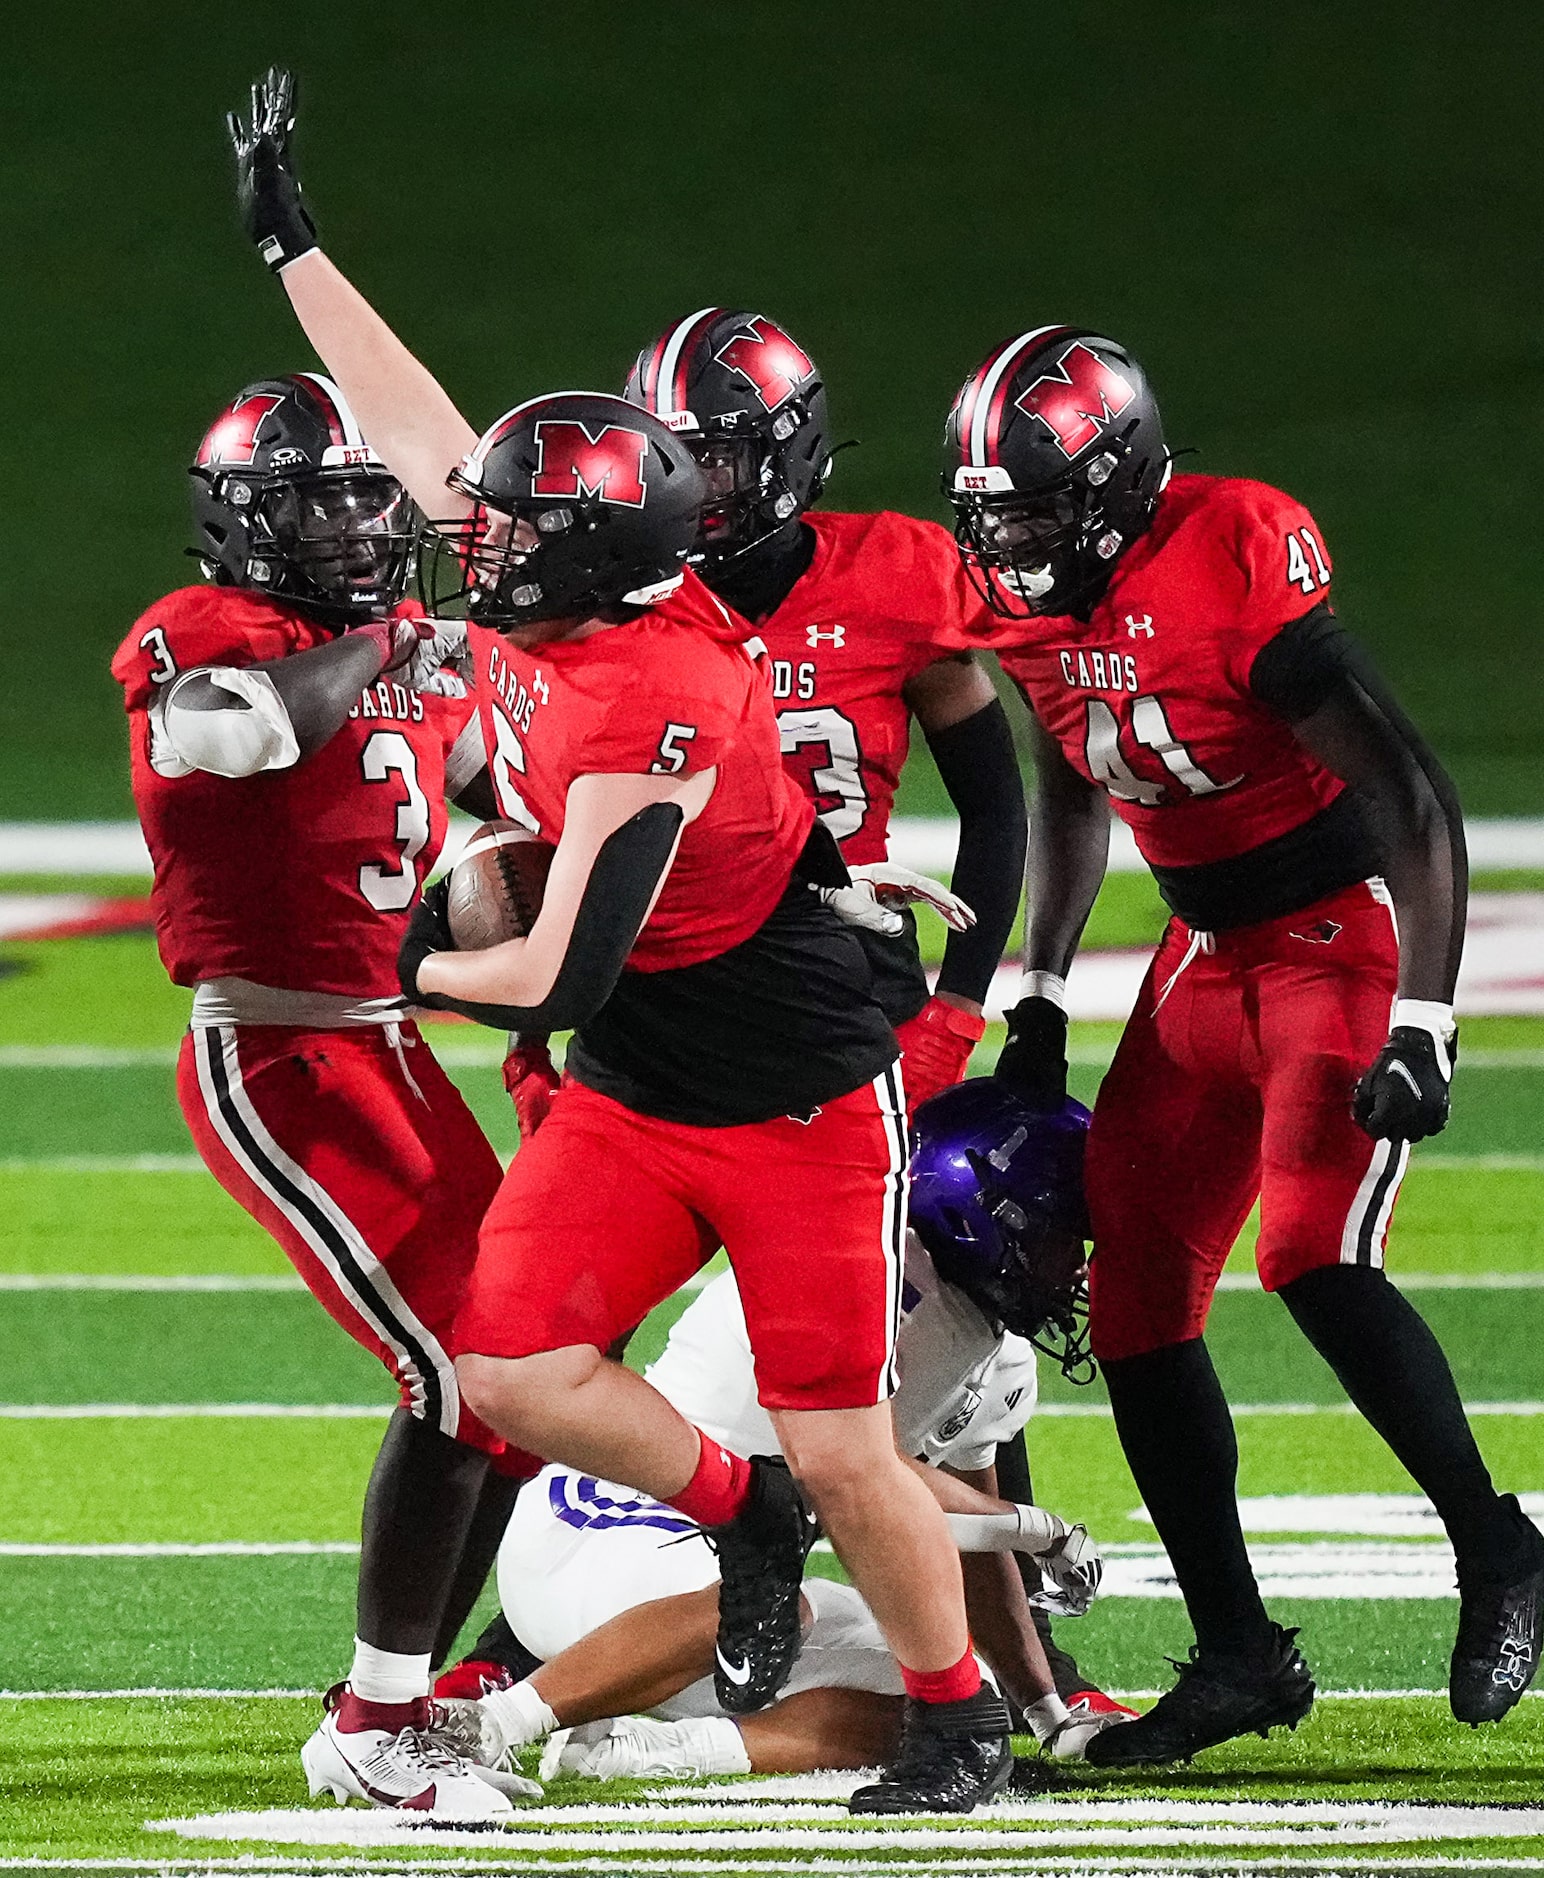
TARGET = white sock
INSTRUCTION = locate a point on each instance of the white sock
(716, 1744)
(1046, 1716)
(520, 1714)
(387, 1675)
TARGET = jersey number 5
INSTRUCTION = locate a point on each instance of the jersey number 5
(389, 753)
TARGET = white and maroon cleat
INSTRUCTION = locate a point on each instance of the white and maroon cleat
(381, 1752)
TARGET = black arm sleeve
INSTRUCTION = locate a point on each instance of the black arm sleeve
(1297, 670)
(1326, 685)
(980, 770)
(627, 871)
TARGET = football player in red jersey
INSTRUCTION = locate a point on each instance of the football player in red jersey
(293, 734)
(857, 613)
(1180, 657)
(732, 1079)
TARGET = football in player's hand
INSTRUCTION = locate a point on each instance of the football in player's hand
(496, 888)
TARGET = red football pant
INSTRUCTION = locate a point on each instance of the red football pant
(365, 1164)
(1233, 1081)
(605, 1212)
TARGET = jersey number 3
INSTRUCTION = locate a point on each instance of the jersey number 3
(821, 749)
(388, 753)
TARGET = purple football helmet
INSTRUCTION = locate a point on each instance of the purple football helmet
(997, 1200)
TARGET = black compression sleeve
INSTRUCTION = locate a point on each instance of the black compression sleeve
(1297, 670)
(980, 769)
(627, 871)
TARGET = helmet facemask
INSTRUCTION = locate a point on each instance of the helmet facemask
(751, 485)
(343, 538)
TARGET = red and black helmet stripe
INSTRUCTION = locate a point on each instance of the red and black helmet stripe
(980, 417)
(668, 370)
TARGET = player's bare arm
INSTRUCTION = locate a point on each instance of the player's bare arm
(243, 720)
(967, 731)
(1342, 711)
(1069, 845)
(412, 423)
(619, 839)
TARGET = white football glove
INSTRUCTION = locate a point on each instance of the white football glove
(441, 665)
(1069, 1575)
(879, 888)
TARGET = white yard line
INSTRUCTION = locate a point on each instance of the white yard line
(178, 1411)
(1101, 1411)
(218, 1548)
(151, 1281)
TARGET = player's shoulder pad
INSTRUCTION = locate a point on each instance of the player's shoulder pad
(900, 569)
(203, 625)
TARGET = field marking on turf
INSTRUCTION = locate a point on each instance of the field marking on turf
(1100, 1411)
(1321, 1569)
(177, 1411)
(161, 1281)
(628, 1865)
(250, 1695)
(715, 1822)
(214, 1548)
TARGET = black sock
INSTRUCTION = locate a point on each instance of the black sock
(1174, 1426)
(418, 1509)
(1392, 1367)
(1014, 1483)
(481, 1547)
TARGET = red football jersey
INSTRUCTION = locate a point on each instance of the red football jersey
(670, 692)
(299, 878)
(1151, 697)
(884, 597)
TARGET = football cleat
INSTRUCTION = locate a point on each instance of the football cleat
(396, 1766)
(1216, 1699)
(761, 1554)
(1500, 1629)
(1082, 1703)
(953, 1755)
(465, 1729)
(1070, 1741)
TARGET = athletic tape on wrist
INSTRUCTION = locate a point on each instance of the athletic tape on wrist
(1049, 985)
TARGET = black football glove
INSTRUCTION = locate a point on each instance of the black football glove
(1033, 1062)
(1404, 1096)
(273, 211)
(427, 931)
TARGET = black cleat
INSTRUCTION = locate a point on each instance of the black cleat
(1216, 1698)
(1500, 1620)
(953, 1755)
(761, 1555)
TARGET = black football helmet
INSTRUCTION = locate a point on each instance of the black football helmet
(583, 503)
(751, 407)
(1054, 461)
(289, 498)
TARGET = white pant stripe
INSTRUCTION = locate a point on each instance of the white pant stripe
(337, 1243)
(1361, 1238)
(892, 1108)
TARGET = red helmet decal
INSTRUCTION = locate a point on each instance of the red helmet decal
(570, 462)
(768, 358)
(232, 439)
(1075, 399)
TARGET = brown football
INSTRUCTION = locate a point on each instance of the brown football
(496, 887)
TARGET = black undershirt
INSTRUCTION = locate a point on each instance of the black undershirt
(1293, 675)
(775, 1026)
(760, 580)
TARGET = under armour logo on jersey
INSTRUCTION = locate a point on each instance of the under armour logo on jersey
(540, 688)
(1144, 626)
(837, 636)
